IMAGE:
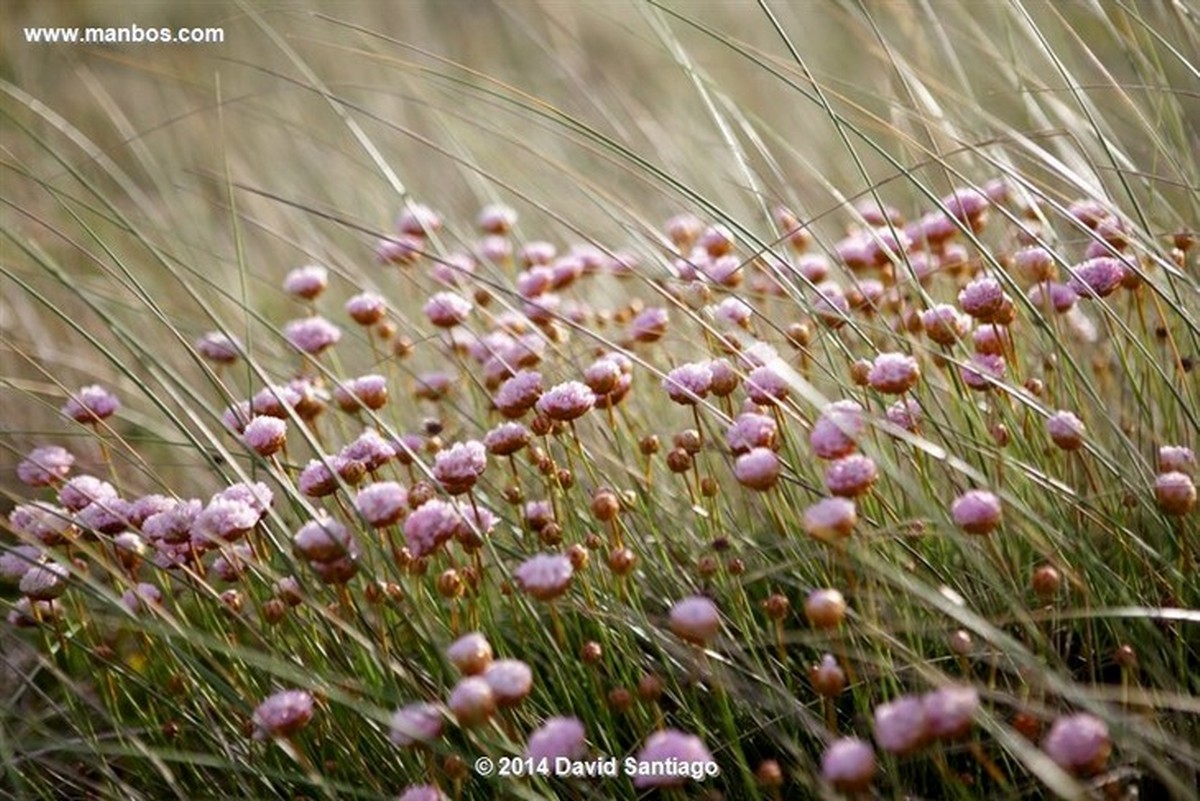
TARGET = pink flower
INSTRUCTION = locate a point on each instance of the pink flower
(668, 746)
(399, 249)
(510, 680)
(949, 711)
(1097, 277)
(1078, 743)
(306, 282)
(78, 492)
(91, 404)
(649, 325)
(734, 311)
(496, 218)
(265, 435)
(982, 298)
(557, 738)
(757, 469)
(460, 466)
(840, 424)
(1066, 430)
(966, 205)
(684, 229)
(324, 540)
(422, 792)
(696, 619)
(506, 439)
(545, 576)
(602, 375)
(382, 504)
(982, 371)
(16, 561)
(566, 401)
(317, 479)
(223, 519)
(1059, 297)
(283, 714)
(831, 519)
(141, 597)
(366, 308)
(107, 516)
(848, 764)
(900, 726)
(944, 324)
(894, 373)
(905, 414)
(1175, 459)
(688, 384)
(470, 653)
(312, 335)
(1035, 264)
(369, 448)
(851, 475)
(431, 525)
(765, 386)
(447, 309)
(472, 701)
(416, 723)
(976, 511)
(173, 525)
(751, 431)
(518, 394)
(1175, 493)
(418, 219)
(46, 523)
(218, 347)
(44, 581)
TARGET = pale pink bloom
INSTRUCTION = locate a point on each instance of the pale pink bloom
(1059, 297)
(1035, 264)
(854, 251)
(496, 249)
(944, 324)
(751, 431)
(518, 394)
(470, 653)
(848, 764)
(905, 414)
(510, 680)
(218, 347)
(265, 435)
(107, 516)
(416, 723)
(557, 738)
(894, 373)
(649, 325)
(460, 466)
(232, 562)
(1175, 493)
(734, 311)
(567, 401)
(369, 448)
(545, 576)
(324, 540)
(765, 386)
(16, 561)
(982, 298)
(148, 505)
(422, 792)
(306, 282)
(173, 525)
(447, 309)
(399, 249)
(496, 218)
(831, 519)
(851, 475)
(366, 308)
(79, 491)
(982, 371)
(256, 495)
(976, 511)
(382, 504)
(757, 469)
(602, 375)
(536, 252)
(312, 335)
(46, 523)
(900, 725)
(1175, 459)
(885, 247)
(966, 204)
(283, 714)
(683, 229)
(506, 439)
(688, 384)
(1066, 430)
(472, 701)
(430, 526)
(949, 711)
(840, 424)
(668, 746)
(91, 404)
(44, 581)
(831, 306)
(696, 619)
(1097, 277)
(1078, 743)
(434, 385)
(418, 219)
(223, 519)
(141, 597)
(813, 266)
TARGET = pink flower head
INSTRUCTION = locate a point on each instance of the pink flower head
(16, 561)
(851, 475)
(696, 619)
(506, 439)
(367, 390)
(649, 325)
(366, 308)
(751, 431)
(669, 746)
(306, 282)
(1059, 297)
(840, 424)
(447, 309)
(434, 385)
(91, 404)
(496, 218)
(900, 725)
(944, 324)
(44, 581)
(382, 504)
(274, 401)
(173, 525)
(1066, 430)
(688, 384)
(905, 414)
(418, 219)
(1173, 459)
(312, 335)
(1097, 277)
(470, 653)
(734, 312)
(141, 597)
(265, 435)
(472, 701)
(82, 490)
(369, 448)
(765, 386)
(218, 348)
(510, 680)
(107, 516)
(538, 253)
(566, 401)
(1175, 493)
(416, 723)
(256, 495)
(831, 306)
(976, 511)
(223, 519)
(848, 764)
(431, 525)
(966, 205)
(885, 247)
(982, 298)
(460, 466)
(545, 576)
(1034, 264)
(148, 505)
(1078, 743)
(232, 562)
(683, 229)
(757, 469)
(518, 394)
(894, 373)
(324, 540)
(1089, 212)
(399, 249)
(496, 249)
(422, 792)
(831, 519)
(44, 522)
(317, 479)
(982, 371)
(854, 252)
(557, 738)
(949, 711)
(602, 375)
(283, 714)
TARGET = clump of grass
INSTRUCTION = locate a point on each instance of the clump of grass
(856, 465)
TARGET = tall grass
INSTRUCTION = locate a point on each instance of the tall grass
(153, 196)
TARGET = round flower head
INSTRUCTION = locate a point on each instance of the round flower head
(384, 503)
(418, 219)
(434, 385)
(323, 540)
(416, 723)
(45, 466)
(366, 308)
(734, 312)
(751, 431)
(894, 373)
(367, 390)
(1172, 459)
(447, 309)
(317, 479)
(831, 519)
(470, 653)
(78, 492)
(1034, 264)
(422, 792)
(223, 519)
(1175, 493)
(833, 435)
(649, 325)
(688, 384)
(1078, 743)
(106, 516)
(518, 394)
(566, 401)
(141, 597)
(696, 619)
(148, 505)
(283, 714)
(17, 561)
(48, 524)
(265, 435)
(976, 511)
(218, 348)
(827, 676)
(966, 205)
(545, 576)
(848, 764)
(851, 475)
(312, 335)
(982, 298)
(496, 218)
(757, 469)
(306, 282)
(557, 738)
(431, 525)
(91, 404)
(825, 609)
(765, 386)
(949, 711)
(1066, 430)
(399, 249)
(900, 726)
(670, 746)
(905, 414)
(602, 376)
(371, 449)
(506, 439)
(982, 370)
(472, 701)
(1097, 278)
(173, 525)
(460, 466)
(510, 680)
(944, 324)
